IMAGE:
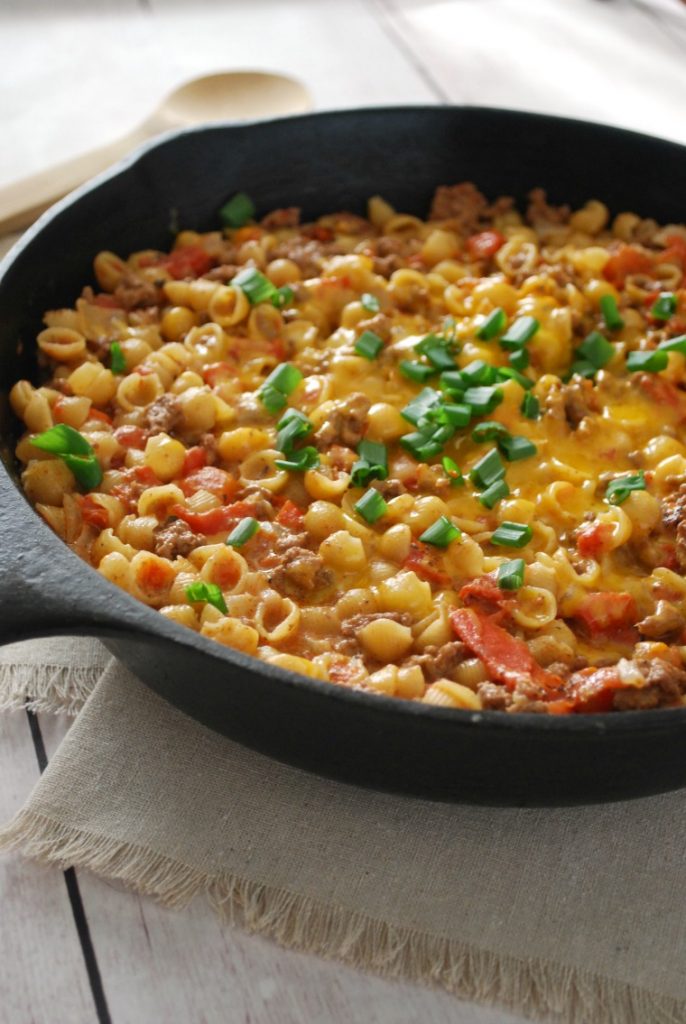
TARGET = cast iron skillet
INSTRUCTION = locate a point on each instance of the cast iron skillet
(324, 162)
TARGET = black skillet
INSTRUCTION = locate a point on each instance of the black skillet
(324, 162)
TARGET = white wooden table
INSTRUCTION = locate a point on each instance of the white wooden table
(73, 949)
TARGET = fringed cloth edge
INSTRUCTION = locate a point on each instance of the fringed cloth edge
(57, 689)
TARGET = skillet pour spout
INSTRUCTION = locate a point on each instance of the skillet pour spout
(324, 162)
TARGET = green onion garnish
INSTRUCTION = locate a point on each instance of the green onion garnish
(530, 407)
(370, 302)
(453, 382)
(74, 451)
(209, 592)
(371, 465)
(664, 306)
(255, 285)
(489, 430)
(596, 350)
(371, 506)
(488, 469)
(293, 426)
(582, 368)
(492, 325)
(437, 351)
(242, 533)
(515, 448)
(455, 414)
(518, 333)
(283, 380)
(492, 495)
(441, 533)
(512, 535)
(511, 574)
(421, 446)
(368, 345)
(283, 296)
(652, 361)
(619, 489)
(510, 373)
(415, 410)
(452, 471)
(238, 211)
(483, 400)
(608, 307)
(674, 345)
(418, 372)
(519, 359)
(300, 461)
(478, 372)
(117, 360)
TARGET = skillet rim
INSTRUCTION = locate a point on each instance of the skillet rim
(132, 612)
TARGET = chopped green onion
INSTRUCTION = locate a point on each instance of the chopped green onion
(596, 350)
(492, 495)
(504, 373)
(452, 471)
(518, 333)
(530, 407)
(664, 306)
(608, 307)
(674, 345)
(418, 372)
(512, 535)
(489, 430)
(368, 345)
(371, 465)
(279, 384)
(652, 361)
(454, 414)
(255, 285)
(511, 574)
(370, 302)
(283, 296)
(441, 533)
(492, 325)
(519, 359)
(85, 468)
(209, 592)
(582, 368)
(483, 400)
(415, 410)
(242, 533)
(291, 428)
(437, 351)
(478, 372)
(62, 440)
(421, 447)
(488, 469)
(619, 489)
(453, 382)
(371, 506)
(117, 360)
(238, 211)
(515, 448)
(300, 461)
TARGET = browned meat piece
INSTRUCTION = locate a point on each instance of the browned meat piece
(681, 545)
(580, 399)
(666, 685)
(388, 255)
(209, 443)
(300, 572)
(175, 538)
(440, 662)
(345, 424)
(352, 626)
(260, 499)
(663, 622)
(674, 507)
(387, 265)
(461, 203)
(389, 488)
(540, 213)
(133, 292)
(287, 217)
(379, 324)
(308, 255)
(224, 273)
(163, 415)
(494, 697)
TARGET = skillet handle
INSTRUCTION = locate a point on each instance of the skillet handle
(43, 587)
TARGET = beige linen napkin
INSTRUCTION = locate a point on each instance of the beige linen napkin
(572, 914)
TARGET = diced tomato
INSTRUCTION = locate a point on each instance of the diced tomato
(659, 390)
(215, 520)
(485, 244)
(594, 689)
(317, 231)
(210, 478)
(97, 414)
(216, 373)
(507, 659)
(131, 437)
(190, 261)
(484, 590)
(291, 516)
(92, 512)
(196, 458)
(416, 260)
(108, 301)
(627, 260)
(607, 612)
(592, 539)
(249, 233)
(278, 349)
(675, 251)
(425, 561)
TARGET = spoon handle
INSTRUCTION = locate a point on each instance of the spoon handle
(23, 201)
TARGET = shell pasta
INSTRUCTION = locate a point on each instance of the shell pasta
(441, 459)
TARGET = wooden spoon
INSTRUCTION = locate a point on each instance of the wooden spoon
(239, 95)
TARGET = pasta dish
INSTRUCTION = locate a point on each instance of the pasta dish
(442, 460)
